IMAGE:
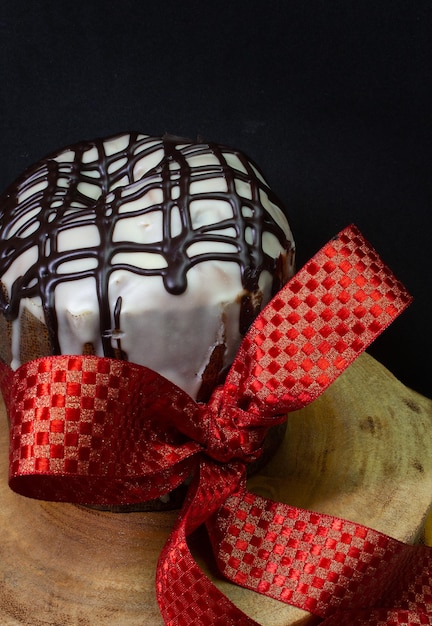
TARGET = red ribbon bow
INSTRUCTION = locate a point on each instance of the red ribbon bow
(102, 431)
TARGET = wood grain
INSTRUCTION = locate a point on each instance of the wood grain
(362, 451)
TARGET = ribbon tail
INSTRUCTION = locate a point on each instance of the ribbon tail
(186, 596)
(409, 602)
(315, 327)
(319, 563)
(378, 617)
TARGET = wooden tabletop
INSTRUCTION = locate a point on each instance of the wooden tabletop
(362, 451)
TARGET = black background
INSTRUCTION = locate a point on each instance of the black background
(332, 99)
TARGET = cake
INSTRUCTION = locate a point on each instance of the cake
(158, 250)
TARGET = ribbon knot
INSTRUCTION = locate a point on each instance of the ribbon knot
(232, 433)
(96, 430)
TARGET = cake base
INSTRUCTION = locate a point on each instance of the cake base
(360, 452)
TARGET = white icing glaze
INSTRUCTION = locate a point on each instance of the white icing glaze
(174, 334)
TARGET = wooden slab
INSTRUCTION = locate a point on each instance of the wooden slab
(362, 451)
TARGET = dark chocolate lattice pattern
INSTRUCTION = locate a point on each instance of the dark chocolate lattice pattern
(93, 187)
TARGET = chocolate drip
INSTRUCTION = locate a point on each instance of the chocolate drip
(49, 200)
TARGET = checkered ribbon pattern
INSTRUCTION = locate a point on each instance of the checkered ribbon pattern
(95, 430)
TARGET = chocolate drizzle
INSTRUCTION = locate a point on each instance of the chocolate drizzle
(49, 200)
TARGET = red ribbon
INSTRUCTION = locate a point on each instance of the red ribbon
(102, 431)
